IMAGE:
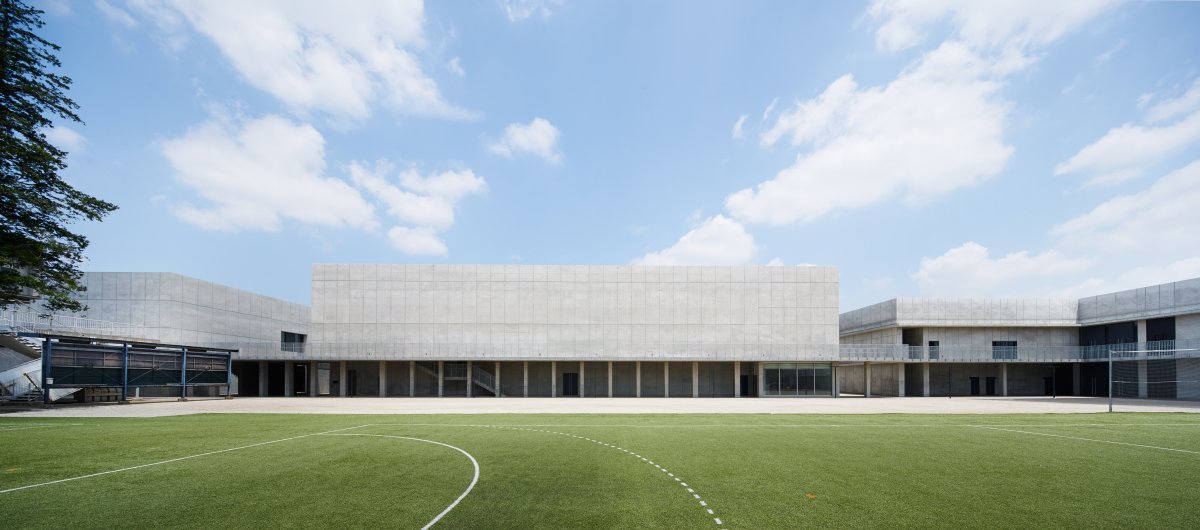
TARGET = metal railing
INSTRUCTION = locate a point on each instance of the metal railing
(30, 321)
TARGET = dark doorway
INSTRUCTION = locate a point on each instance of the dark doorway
(275, 373)
(300, 379)
(570, 384)
(991, 386)
(1048, 386)
(352, 383)
(749, 385)
(974, 386)
(247, 377)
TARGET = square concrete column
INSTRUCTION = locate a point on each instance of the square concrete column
(834, 383)
(1142, 379)
(342, 378)
(737, 379)
(900, 378)
(582, 379)
(762, 380)
(925, 379)
(262, 378)
(666, 379)
(867, 379)
(525, 379)
(695, 379)
(383, 378)
(553, 378)
(412, 378)
(441, 379)
(289, 378)
(1141, 331)
(1003, 379)
(498, 379)
(609, 378)
(637, 378)
(314, 379)
(470, 380)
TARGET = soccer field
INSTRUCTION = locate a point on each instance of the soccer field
(602, 471)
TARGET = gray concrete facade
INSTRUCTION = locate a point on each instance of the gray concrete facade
(543, 312)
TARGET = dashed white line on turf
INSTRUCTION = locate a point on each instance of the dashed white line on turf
(474, 479)
(161, 462)
(703, 503)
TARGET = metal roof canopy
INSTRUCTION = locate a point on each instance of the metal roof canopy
(72, 361)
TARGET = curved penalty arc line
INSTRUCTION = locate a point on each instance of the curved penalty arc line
(474, 479)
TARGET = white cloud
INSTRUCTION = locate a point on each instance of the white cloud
(1164, 217)
(1122, 243)
(738, 126)
(65, 138)
(257, 173)
(539, 138)
(1123, 152)
(519, 10)
(969, 268)
(332, 57)
(416, 241)
(455, 67)
(116, 14)
(719, 240)
(419, 200)
(1012, 24)
(936, 128)
(775, 262)
(1170, 108)
(425, 202)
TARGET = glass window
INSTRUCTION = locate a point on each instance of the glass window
(787, 381)
(772, 377)
(823, 377)
(807, 381)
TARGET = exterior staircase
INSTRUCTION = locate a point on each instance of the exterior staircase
(485, 380)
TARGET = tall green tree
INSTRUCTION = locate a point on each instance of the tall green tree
(38, 251)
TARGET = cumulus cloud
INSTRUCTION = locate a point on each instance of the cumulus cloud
(539, 138)
(936, 128)
(256, 173)
(1113, 244)
(416, 241)
(331, 57)
(519, 10)
(1014, 24)
(970, 268)
(1124, 152)
(718, 240)
(425, 202)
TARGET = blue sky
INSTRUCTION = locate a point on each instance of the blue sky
(925, 148)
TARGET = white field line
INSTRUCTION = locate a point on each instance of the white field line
(470, 487)
(1093, 440)
(815, 425)
(189, 457)
(21, 428)
(703, 505)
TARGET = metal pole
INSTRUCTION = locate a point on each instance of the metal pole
(46, 371)
(1110, 380)
(183, 377)
(125, 372)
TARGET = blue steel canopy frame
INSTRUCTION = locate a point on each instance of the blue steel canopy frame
(70, 361)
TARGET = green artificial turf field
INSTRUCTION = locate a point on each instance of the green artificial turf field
(580, 471)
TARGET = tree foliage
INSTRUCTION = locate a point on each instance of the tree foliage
(38, 251)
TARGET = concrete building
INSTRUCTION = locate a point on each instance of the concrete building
(642, 331)
(938, 347)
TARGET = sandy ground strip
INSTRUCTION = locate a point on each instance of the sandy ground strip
(844, 405)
